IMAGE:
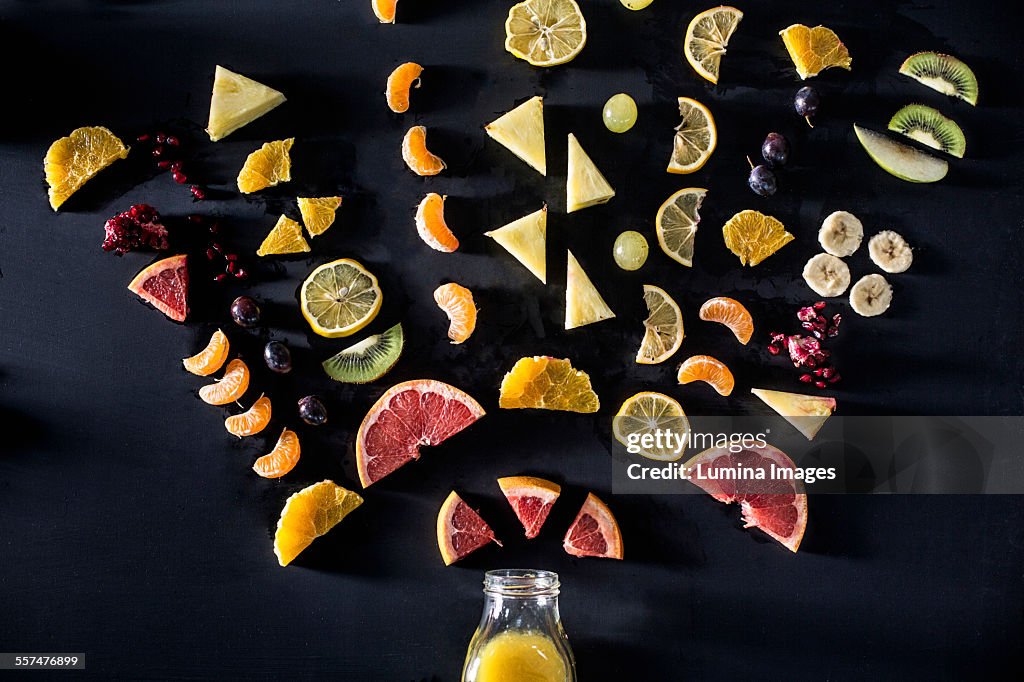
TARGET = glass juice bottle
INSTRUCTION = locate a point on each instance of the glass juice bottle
(520, 636)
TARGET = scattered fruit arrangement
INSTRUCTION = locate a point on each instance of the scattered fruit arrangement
(341, 297)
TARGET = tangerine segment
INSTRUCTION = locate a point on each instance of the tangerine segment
(400, 82)
(281, 459)
(595, 532)
(732, 314)
(546, 383)
(814, 49)
(385, 10)
(310, 513)
(408, 416)
(754, 236)
(318, 214)
(431, 226)
(416, 155)
(210, 359)
(460, 530)
(778, 506)
(531, 498)
(72, 161)
(709, 370)
(252, 421)
(269, 165)
(457, 303)
(230, 387)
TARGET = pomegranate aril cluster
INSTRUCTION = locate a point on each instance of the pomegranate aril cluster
(166, 150)
(806, 351)
(138, 227)
(223, 264)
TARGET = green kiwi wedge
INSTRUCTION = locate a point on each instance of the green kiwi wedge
(368, 360)
(930, 128)
(944, 73)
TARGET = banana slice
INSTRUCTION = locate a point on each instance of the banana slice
(841, 234)
(871, 296)
(891, 252)
(826, 275)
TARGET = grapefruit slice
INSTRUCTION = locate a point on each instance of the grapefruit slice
(778, 507)
(408, 416)
(461, 530)
(164, 285)
(531, 499)
(807, 413)
(595, 532)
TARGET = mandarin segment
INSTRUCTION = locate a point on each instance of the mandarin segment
(210, 359)
(230, 387)
(252, 421)
(282, 458)
(266, 167)
(385, 10)
(417, 157)
(732, 314)
(710, 370)
(547, 383)
(400, 82)
(72, 161)
(457, 303)
(310, 513)
(431, 225)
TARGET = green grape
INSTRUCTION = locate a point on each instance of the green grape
(635, 4)
(619, 113)
(630, 250)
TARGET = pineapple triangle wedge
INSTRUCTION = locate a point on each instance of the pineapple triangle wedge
(583, 303)
(521, 131)
(585, 185)
(526, 239)
(807, 413)
(237, 101)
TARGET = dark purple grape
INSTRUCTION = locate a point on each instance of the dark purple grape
(312, 411)
(278, 357)
(806, 103)
(245, 312)
(775, 150)
(762, 181)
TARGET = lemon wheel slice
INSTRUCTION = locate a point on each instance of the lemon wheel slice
(676, 224)
(340, 298)
(663, 328)
(545, 32)
(696, 137)
(645, 413)
(707, 37)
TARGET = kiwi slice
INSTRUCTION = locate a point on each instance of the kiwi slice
(944, 73)
(929, 127)
(368, 360)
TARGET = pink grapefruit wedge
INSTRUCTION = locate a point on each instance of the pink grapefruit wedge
(595, 532)
(531, 499)
(777, 507)
(461, 530)
(408, 416)
(164, 285)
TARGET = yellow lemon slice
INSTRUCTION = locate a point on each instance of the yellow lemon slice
(545, 32)
(695, 140)
(340, 298)
(676, 224)
(707, 37)
(646, 413)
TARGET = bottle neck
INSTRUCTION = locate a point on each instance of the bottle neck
(521, 600)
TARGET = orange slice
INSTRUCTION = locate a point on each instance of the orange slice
(461, 530)
(283, 239)
(72, 161)
(595, 532)
(252, 421)
(531, 499)
(709, 370)
(269, 165)
(431, 225)
(310, 513)
(210, 359)
(281, 459)
(546, 383)
(753, 236)
(318, 214)
(732, 314)
(400, 82)
(230, 387)
(457, 303)
(416, 155)
(385, 10)
(814, 49)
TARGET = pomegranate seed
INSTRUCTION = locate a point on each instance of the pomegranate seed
(232, 267)
(172, 140)
(774, 350)
(176, 166)
(232, 256)
(210, 254)
(179, 177)
(214, 228)
(142, 138)
(819, 371)
(160, 138)
(811, 362)
(242, 273)
(806, 378)
(828, 372)
(158, 152)
(217, 247)
(819, 384)
(163, 165)
(195, 219)
(198, 193)
(817, 334)
(835, 379)
(820, 305)
(807, 325)
(220, 278)
(805, 314)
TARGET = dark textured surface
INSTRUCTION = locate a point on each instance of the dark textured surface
(131, 527)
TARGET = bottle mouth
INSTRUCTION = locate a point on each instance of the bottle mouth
(521, 582)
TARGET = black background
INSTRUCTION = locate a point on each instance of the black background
(131, 526)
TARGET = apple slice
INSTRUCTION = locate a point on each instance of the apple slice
(901, 160)
(807, 413)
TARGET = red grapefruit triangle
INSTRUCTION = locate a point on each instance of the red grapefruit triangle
(164, 285)
(531, 499)
(461, 530)
(408, 416)
(595, 532)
